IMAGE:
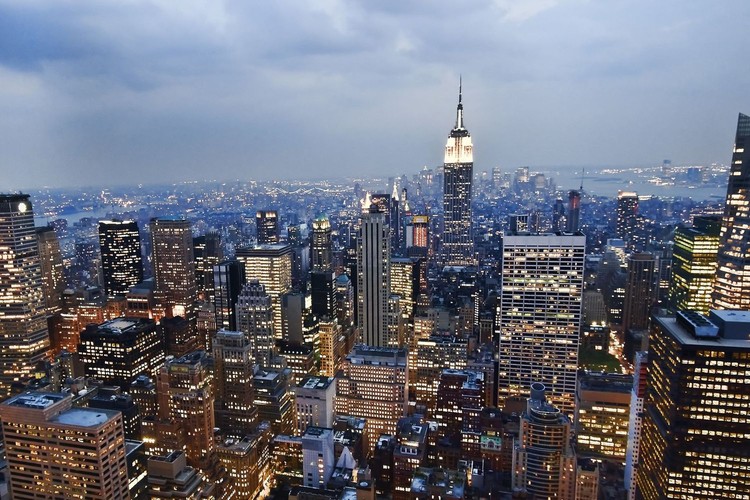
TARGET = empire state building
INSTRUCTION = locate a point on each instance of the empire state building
(458, 245)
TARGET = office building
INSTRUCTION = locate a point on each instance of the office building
(321, 247)
(208, 252)
(695, 441)
(544, 464)
(246, 462)
(322, 289)
(458, 245)
(428, 359)
(332, 347)
(267, 225)
(122, 264)
(275, 399)
(228, 279)
(271, 266)
(374, 386)
(118, 351)
(170, 476)
(694, 264)
(55, 450)
(732, 285)
(373, 275)
(234, 364)
(602, 415)
(51, 266)
(409, 453)
(186, 397)
(539, 315)
(24, 339)
(318, 459)
(405, 282)
(461, 396)
(174, 267)
(255, 319)
(417, 238)
(314, 398)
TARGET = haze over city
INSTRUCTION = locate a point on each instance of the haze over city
(116, 93)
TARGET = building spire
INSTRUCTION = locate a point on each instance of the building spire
(460, 108)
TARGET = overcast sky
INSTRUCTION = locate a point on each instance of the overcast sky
(144, 91)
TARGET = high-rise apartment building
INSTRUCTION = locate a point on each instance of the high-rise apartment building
(122, 264)
(271, 266)
(50, 260)
(117, 352)
(694, 264)
(228, 279)
(626, 224)
(458, 245)
(539, 315)
(544, 463)
(267, 224)
(24, 339)
(732, 285)
(695, 441)
(255, 319)
(374, 386)
(234, 363)
(55, 450)
(373, 276)
(174, 266)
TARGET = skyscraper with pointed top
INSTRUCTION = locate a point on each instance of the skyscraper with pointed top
(732, 283)
(458, 245)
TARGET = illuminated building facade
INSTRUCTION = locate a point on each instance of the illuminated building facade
(228, 279)
(331, 347)
(427, 361)
(544, 463)
(174, 267)
(267, 225)
(626, 225)
(573, 221)
(55, 450)
(234, 364)
(322, 290)
(24, 339)
(208, 252)
(405, 282)
(122, 264)
(271, 266)
(118, 351)
(603, 415)
(314, 398)
(694, 264)
(255, 319)
(635, 425)
(732, 285)
(373, 276)
(318, 459)
(275, 399)
(695, 441)
(458, 245)
(50, 260)
(169, 476)
(185, 395)
(539, 315)
(374, 386)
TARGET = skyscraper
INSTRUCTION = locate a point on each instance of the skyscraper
(639, 291)
(267, 223)
(174, 266)
(732, 285)
(208, 252)
(695, 441)
(271, 265)
(322, 290)
(627, 217)
(55, 450)
(574, 212)
(50, 258)
(373, 276)
(694, 264)
(228, 279)
(236, 413)
(458, 245)
(24, 339)
(539, 315)
(255, 319)
(122, 264)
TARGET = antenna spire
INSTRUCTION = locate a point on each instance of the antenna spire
(460, 108)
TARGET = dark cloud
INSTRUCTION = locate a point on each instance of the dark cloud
(161, 90)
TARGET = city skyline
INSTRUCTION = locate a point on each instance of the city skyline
(225, 91)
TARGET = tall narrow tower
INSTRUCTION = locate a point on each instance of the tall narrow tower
(458, 246)
(122, 265)
(732, 285)
(24, 339)
(373, 275)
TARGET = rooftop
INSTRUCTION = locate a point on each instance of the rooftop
(35, 400)
(85, 417)
(313, 382)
